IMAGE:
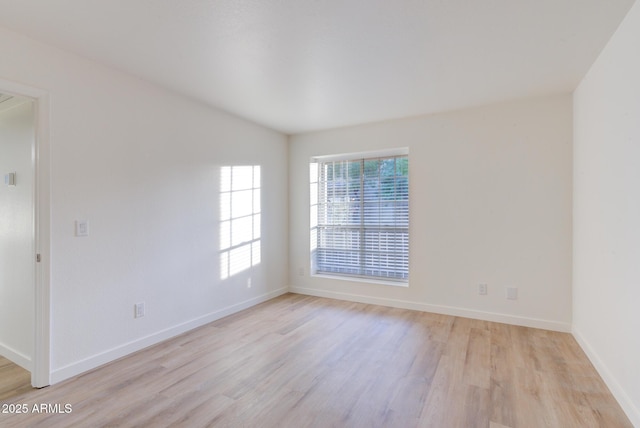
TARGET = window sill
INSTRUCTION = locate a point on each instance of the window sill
(361, 279)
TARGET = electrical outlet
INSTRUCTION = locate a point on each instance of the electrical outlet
(138, 310)
(512, 293)
(482, 289)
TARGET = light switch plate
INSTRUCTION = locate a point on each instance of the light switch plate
(82, 228)
(10, 179)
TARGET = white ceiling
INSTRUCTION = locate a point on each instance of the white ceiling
(303, 65)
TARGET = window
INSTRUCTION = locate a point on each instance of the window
(360, 217)
(239, 219)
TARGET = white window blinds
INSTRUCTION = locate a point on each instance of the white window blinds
(361, 224)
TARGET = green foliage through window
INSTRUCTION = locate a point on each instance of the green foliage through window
(361, 222)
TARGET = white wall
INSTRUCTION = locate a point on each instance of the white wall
(17, 271)
(142, 166)
(606, 286)
(490, 203)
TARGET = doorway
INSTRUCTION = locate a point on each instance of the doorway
(25, 232)
(17, 240)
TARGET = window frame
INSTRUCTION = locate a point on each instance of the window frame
(372, 264)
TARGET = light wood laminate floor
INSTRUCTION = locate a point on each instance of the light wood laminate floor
(300, 361)
(14, 380)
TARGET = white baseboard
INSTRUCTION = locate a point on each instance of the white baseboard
(630, 408)
(439, 309)
(16, 357)
(97, 360)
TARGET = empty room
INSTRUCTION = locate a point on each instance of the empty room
(413, 213)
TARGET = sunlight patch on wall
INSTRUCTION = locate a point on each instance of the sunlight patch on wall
(239, 219)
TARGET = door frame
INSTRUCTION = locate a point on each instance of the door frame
(41, 162)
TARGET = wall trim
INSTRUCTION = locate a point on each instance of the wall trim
(16, 357)
(438, 309)
(628, 406)
(107, 356)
